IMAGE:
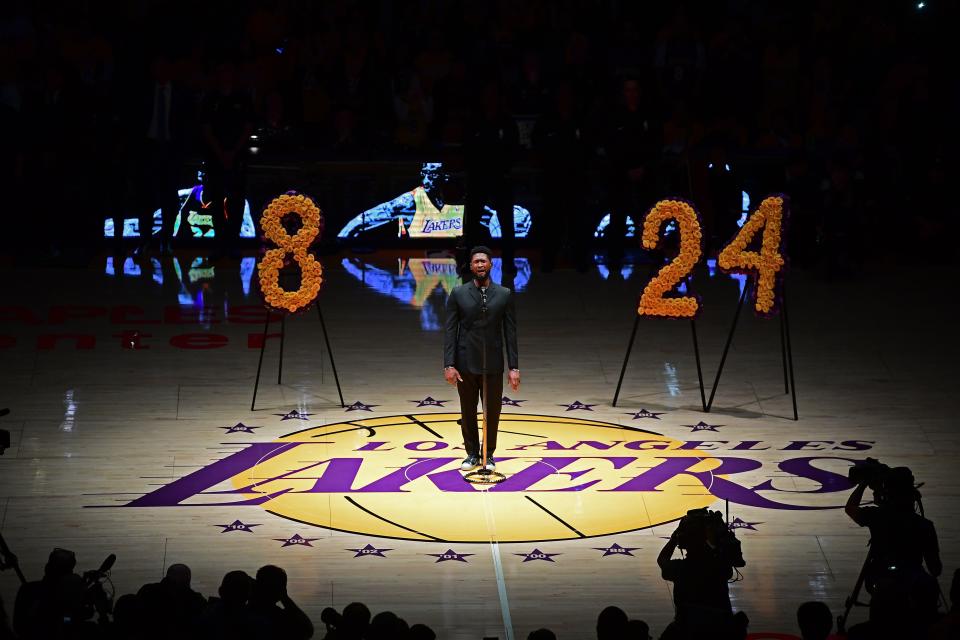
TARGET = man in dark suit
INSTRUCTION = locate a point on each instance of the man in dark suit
(480, 322)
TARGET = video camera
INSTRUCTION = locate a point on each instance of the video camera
(96, 597)
(88, 595)
(887, 483)
(705, 528)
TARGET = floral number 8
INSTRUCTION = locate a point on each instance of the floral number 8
(652, 302)
(269, 268)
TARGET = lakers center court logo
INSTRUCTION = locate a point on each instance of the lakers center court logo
(398, 477)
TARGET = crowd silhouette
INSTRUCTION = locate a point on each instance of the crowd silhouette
(902, 604)
(59, 607)
(841, 105)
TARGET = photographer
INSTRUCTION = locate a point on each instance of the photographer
(901, 540)
(700, 594)
(47, 608)
(268, 618)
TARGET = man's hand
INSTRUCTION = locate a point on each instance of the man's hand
(452, 375)
(513, 378)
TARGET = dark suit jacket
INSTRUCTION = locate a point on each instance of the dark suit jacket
(468, 326)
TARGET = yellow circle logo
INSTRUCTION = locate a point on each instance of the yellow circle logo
(399, 477)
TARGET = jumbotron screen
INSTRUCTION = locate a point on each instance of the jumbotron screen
(193, 211)
(421, 213)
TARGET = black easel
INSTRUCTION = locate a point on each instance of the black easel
(696, 353)
(786, 350)
(283, 331)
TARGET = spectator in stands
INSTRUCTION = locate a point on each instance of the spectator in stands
(542, 634)
(638, 630)
(948, 627)
(128, 619)
(815, 620)
(634, 139)
(227, 123)
(612, 624)
(161, 129)
(6, 633)
(386, 625)
(562, 146)
(226, 617)
(491, 149)
(39, 609)
(273, 621)
(351, 625)
(421, 632)
(170, 607)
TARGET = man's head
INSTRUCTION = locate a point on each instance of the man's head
(235, 588)
(611, 623)
(179, 575)
(60, 563)
(481, 262)
(432, 175)
(815, 620)
(270, 584)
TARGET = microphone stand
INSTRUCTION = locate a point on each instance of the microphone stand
(483, 384)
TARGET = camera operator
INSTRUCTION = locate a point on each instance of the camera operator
(700, 595)
(901, 540)
(45, 608)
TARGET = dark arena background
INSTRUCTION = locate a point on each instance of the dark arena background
(723, 272)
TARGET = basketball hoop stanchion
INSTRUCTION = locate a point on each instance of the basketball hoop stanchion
(484, 475)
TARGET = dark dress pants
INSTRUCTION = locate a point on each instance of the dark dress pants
(471, 391)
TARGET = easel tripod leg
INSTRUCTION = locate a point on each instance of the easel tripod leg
(786, 330)
(333, 365)
(263, 345)
(696, 353)
(783, 354)
(726, 347)
(626, 358)
(283, 333)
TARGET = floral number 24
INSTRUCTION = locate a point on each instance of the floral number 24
(652, 301)
(765, 264)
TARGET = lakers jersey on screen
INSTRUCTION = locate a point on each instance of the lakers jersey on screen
(430, 222)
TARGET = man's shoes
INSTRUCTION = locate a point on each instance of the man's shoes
(491, 464)
(470, 463)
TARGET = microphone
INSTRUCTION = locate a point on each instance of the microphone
(107, 563)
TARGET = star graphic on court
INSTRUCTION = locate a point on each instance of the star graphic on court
(737, 523)
(239, 428)
(536, 554)
(369, 550)
(577, 405)
(236, 525)
(507, 402)
(359, 406)
(450, 554)
(616, 550)
(428, 402)
(293, 415)
(296, 540)
(703, 426)
(643, 413)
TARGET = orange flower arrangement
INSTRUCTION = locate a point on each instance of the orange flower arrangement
(652, 302)
(298, 244)
(766, 264)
